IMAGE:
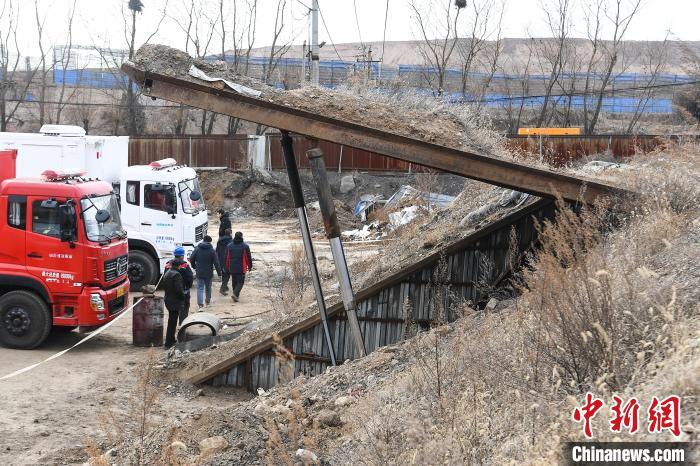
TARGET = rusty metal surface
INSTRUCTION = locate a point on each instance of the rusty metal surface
(562, 150)
(475, 166)
(196, 151)
(382, 310)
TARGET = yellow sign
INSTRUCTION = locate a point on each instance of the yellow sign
(549, 131)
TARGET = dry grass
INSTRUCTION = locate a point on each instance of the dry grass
(607, 310)
(288, 289)
(289, 429)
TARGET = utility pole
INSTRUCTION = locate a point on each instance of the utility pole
(304, 57)
(314, 43)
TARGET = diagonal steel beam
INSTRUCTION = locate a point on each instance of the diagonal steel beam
(491, 170)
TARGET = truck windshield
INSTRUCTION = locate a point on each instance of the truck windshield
(103, 231)
(186, 188)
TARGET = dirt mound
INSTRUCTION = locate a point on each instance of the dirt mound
(246, 193)
(418, 117)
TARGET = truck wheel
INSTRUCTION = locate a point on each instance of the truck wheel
(142, 270)
(25, 320)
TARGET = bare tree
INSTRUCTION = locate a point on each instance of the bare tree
(655, 61)
(42, 90)
(439, 37)
(552, 51)
(65, 60)
(13, 89)
(490, 62)
(479, 31)
(619, 17)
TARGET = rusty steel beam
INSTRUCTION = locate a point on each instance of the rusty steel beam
(491, 170)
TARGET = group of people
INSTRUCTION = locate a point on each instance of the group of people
(231, 259)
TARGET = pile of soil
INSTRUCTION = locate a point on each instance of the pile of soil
(427, 119)
(246, 193)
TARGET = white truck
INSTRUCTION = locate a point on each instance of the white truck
(161, 203)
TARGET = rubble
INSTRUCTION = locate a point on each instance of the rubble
(413, 116)
(213, 445)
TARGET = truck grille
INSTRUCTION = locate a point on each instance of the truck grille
(200, 231)
(116, 267)
(116, 305)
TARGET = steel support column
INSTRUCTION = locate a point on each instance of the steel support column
(300, 206)
(330, 223)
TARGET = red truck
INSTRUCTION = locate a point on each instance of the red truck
(63, 255)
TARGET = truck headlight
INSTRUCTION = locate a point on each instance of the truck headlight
(96, 302)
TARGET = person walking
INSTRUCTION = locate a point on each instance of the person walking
(180, 265)
(221, 246)
(174, 297)
(239, 261)
(204, 260)
(224, 222)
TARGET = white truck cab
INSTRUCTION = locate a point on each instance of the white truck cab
(161, 204)
(162, 208)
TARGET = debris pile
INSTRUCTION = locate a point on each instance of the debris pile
(418, 117)
(246, 193)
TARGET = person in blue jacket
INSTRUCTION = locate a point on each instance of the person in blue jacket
(204, 260)
(239, 261)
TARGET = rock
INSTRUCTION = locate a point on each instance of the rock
(110, 389)
(344, 401)
(262, 392)
(200, 392)
(491, 305)
(281, 410)
(371, 379)
(307, 456)
(261, 410)
(213, 445)
(178, 448)
(347, 184)
(329, 418)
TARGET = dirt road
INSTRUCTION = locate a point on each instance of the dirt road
(51, 413)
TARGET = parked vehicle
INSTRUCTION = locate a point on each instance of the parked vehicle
(161, 204)
(63, 262)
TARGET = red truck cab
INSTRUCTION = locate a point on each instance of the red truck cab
(63, 258)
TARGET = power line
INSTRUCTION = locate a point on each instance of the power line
(386, 17)
(323, 20)
(357, 21)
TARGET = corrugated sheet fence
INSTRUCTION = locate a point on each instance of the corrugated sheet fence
(231, 151)
(195, 151)
(434, 290)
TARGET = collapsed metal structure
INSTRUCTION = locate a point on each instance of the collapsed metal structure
(377, 315)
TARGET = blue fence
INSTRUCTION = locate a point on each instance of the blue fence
(335, 72)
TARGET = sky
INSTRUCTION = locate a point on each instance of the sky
(100, 22)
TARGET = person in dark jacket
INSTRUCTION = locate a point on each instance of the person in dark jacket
(174, 298)
(221, 247)
(239, 261)
(204, 260)
(180, 265)
(224, 222)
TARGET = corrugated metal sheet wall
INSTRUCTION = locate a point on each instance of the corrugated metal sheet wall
(436, 292)
(231, 151)
(195, 151)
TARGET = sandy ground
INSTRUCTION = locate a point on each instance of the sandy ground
(50, 413)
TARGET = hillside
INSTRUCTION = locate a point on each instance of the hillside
(514, 57)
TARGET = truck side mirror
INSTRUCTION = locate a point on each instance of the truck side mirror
(66, 217)
(102, 216)
(49, 204)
